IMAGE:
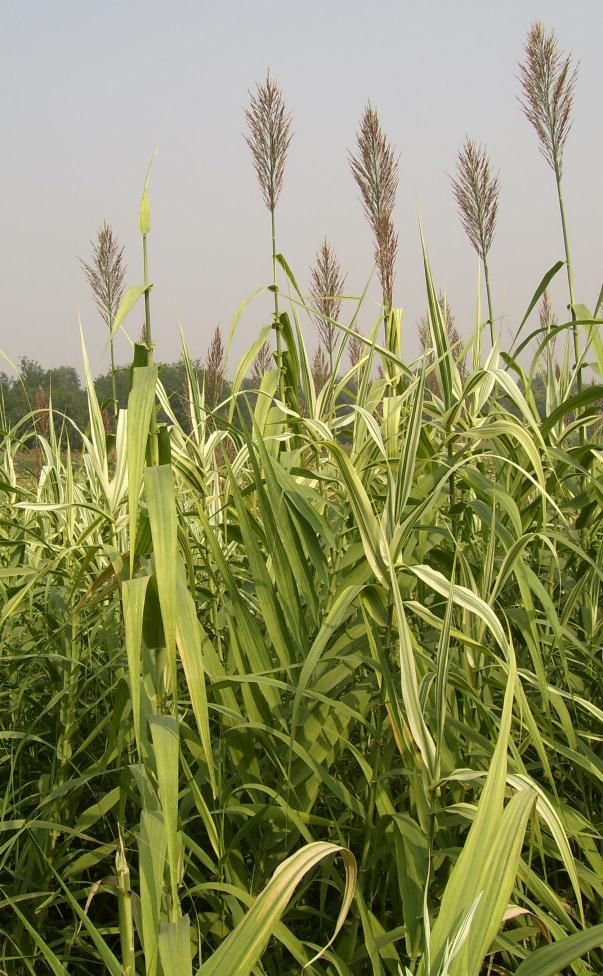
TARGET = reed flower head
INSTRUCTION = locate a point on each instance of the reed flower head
(454, 339)
(268, 138)
(355, 347)
(215, 368)
(326, 286)
(41, 416)
(476, 190)
(548, 81)
(375, 169)
(261, 364)
(547, 317)
(548, 321)
(320, 368)
(106, 273)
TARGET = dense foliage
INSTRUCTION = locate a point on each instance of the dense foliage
(286, 642)
(311, 678)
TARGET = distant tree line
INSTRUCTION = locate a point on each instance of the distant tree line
(35, 388)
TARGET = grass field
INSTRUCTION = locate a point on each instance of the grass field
(315, 683)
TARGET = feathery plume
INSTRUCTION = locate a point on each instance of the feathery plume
(326, 286)
(268, 138)
(548, 81)
(454, 338)
(547, 317)
(476, 190)
(375, 169)
(261, 364)
(355, 348)
(548, 321)
(214, 370)
(106, 273)
(320, 368)
(106, 276)
(42, 423)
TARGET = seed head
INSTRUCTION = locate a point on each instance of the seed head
(326, 286)
(355, 348)
(454, 338)
(476, 190)
(548, 81)
(546, 314)
(41, 406)
(548, 321)
(106, 273)
(214, 370)
(261, 364)
(320, 368)
(375, 169)
(268, 138)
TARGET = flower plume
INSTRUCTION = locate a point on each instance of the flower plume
(268, 137)
(261, 364)
(106, 273)
(320, 368)
(476, 190)
(355, 347)
(326, 286)
(375, 169)
(548, 81)
(215, 368)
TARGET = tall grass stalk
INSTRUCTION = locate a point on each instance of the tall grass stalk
(268, 138)
(374, 167)
(477, 191)
(144, 226)
(326, 289)
(106, 273)
(548, 80)
(214, 371)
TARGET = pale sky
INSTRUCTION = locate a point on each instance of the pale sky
(89, 89)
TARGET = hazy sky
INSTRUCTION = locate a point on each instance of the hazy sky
(89, 89)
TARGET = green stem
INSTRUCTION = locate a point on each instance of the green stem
(126, 921)
(570, 283)
(386, 369)
(277, 327)
(452, 492)
(147, 301)
(489, 300)
(113, 382)
(372, 790)
(154, 443)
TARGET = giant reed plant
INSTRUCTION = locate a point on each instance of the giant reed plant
(476, 190)
(214, 370)
(374, 167)
(222, 671)
(548, 81)
(326, 289)
(105, 273)
(268, 137)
